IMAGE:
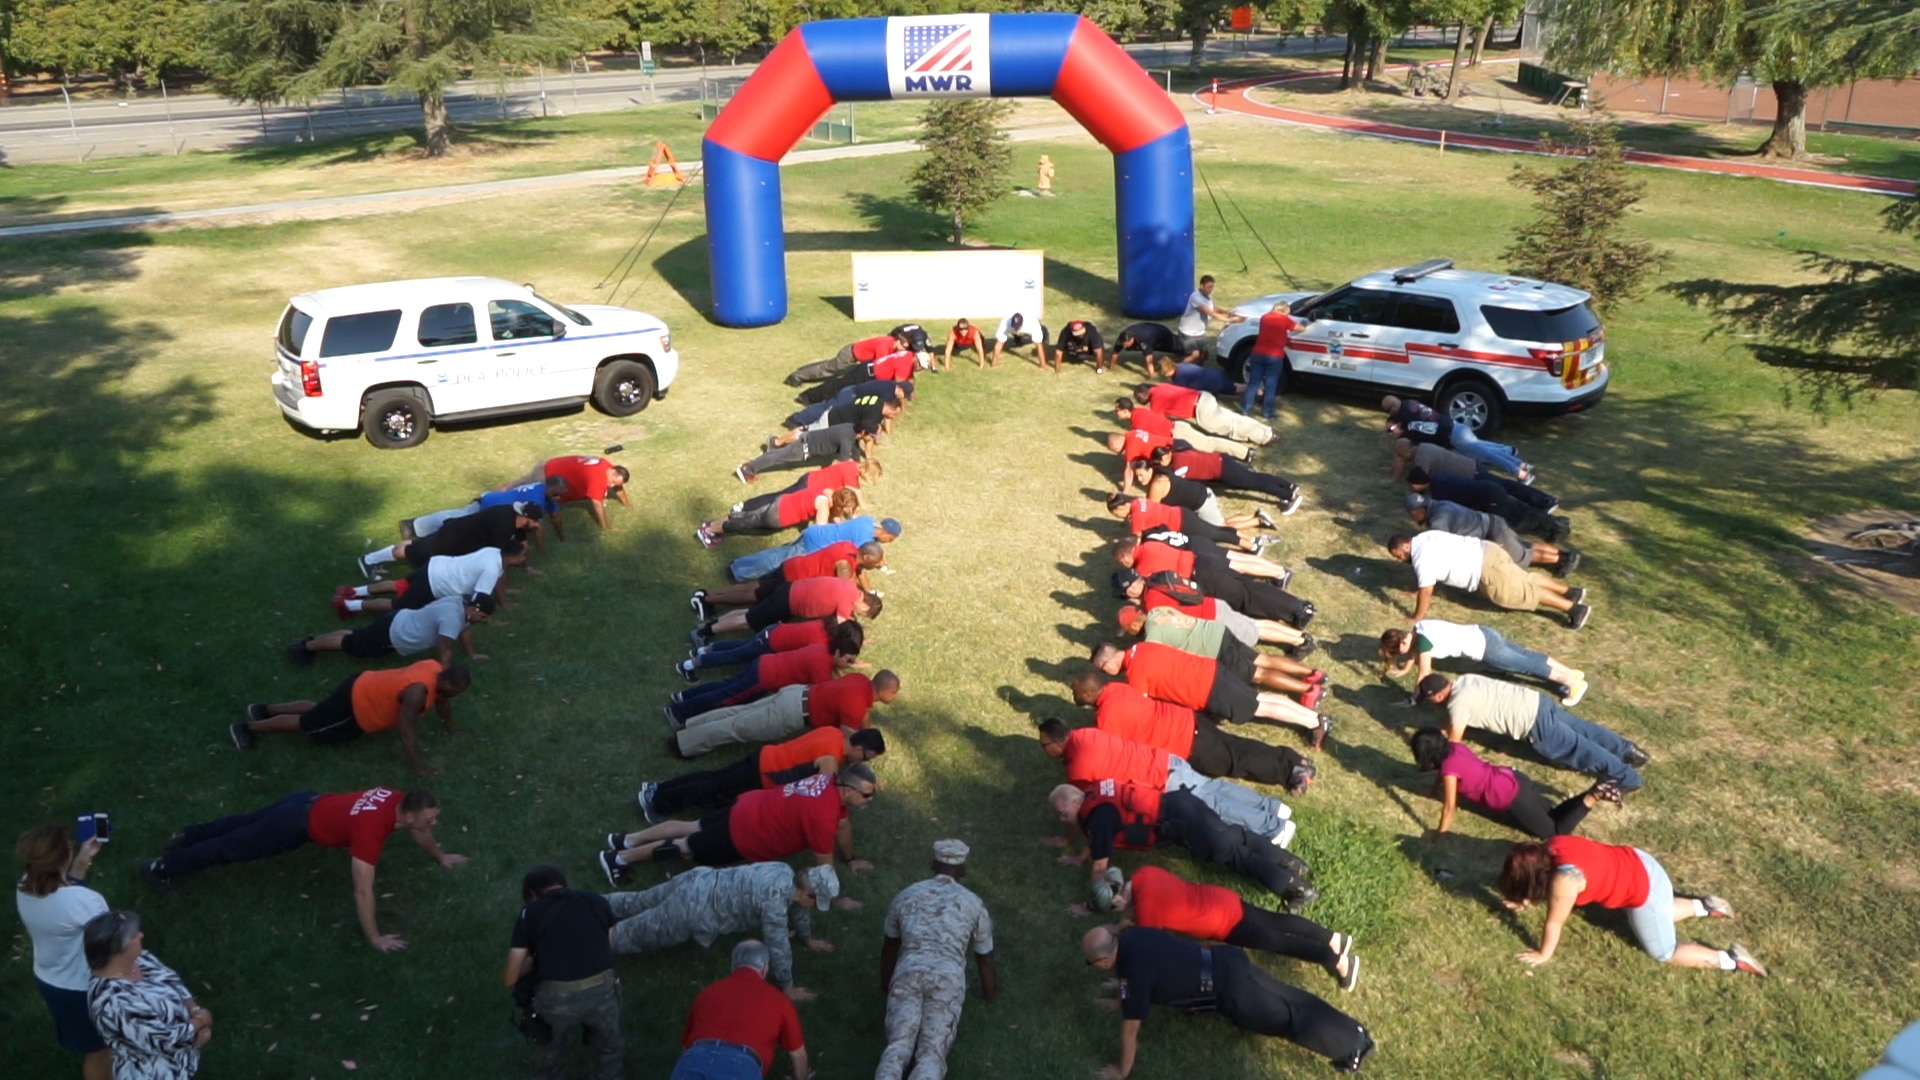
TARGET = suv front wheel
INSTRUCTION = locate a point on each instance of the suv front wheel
(623, 388)
(397, 418)
(1473, 402)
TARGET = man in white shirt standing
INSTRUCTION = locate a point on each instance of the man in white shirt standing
(1017, 330)
(1484, 567)
(1199, 314)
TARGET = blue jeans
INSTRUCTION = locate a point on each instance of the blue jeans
(1504, 655)
(731, 653)
(711, 1059)
(1263, 373)
(761, 563)
(257, 834)
(1652, 922)
(1491, 454)
(714, 693)
(1565, 739)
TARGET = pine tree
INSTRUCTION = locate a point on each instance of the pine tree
(1580, 238)
(967, 159)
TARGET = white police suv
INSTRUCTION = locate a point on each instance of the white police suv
(1479, 346)
(396, 357)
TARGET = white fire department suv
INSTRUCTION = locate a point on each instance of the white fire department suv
(1479, 346)
(396, 357)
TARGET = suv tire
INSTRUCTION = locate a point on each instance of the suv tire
(1473, 402)
(396, 418)
(623, 388)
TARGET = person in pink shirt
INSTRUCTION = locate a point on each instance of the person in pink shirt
(1461, 774)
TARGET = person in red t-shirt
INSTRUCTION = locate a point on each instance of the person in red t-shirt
(1204, 410)
(1126, 712)
(1237, 577)
(1221, 471)
(1171, 590)
(1194, 634)
(736, 1023)
(1163, 431)
(853, 354)
(1567, 872)
(774, 671)
(1152, 513)
(769, 825)
(1093, 757)
(820, 751)
(1267, 368)
(1161, 900)
(840, 597)
(843, 702)
(838, 559)
(790, 510)
(964, 335)
(1168, 674)
(589, 479)
(371, 701)
(780, 637)
(359, 821)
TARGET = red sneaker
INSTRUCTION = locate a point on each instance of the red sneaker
(1311, 698)
(340, 607)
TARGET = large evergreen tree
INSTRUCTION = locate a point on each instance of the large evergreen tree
(1580, 237)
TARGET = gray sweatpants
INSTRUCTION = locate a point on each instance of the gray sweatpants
(1209, 415)
(769, 720)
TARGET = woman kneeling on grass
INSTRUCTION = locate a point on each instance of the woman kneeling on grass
(1497, 788)
(1571, 871)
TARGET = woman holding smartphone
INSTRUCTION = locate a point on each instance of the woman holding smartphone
(55, 904)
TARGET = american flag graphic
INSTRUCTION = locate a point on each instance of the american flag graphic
(934, 47)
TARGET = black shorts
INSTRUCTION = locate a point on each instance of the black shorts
(371, 641)
(332, 721)
(1195, 344)
(1232, 700)
(713, 844)
(1236, 656)
(417, 594)
(770, 608)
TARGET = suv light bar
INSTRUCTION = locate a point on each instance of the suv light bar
(1419, 270)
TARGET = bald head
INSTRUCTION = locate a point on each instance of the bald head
(1100, 946)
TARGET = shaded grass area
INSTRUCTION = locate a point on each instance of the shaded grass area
(181, 533)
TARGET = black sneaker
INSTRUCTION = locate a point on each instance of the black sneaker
(1292, 505)
(1285, 579)
(676, 696)
(699, 636)
(1577, 594)
(617, 875)
(1300, 898)
(1352, 978)
(698, 602)
(647, 790)
(1569, 562)
(1265, 519)
(256, 712)
(1360, 1056)
(672, 720)
(1321, 731)
(1607, 791)
(685, 668)
(1635, 757)
(741, 474)
(616, 841)
(1306, 647)
(243, 736)
(1578, 616)
(299, 654)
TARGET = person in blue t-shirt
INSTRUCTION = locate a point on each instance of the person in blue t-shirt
(856, 531)
(547, 495)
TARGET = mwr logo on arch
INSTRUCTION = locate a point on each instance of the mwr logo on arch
(939, 56)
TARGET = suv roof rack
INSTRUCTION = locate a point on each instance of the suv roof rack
(1419, 270)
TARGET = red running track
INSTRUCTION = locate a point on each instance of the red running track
(1234, 97)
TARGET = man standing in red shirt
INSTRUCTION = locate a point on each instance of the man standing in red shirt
(1130, 714)
(1162, 900)
(359, 821)
(1204, 410)
(736, 1023)
(769, 825)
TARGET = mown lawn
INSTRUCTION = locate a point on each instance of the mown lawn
(174, 534)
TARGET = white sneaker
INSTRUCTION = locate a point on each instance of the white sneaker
(1285, 836)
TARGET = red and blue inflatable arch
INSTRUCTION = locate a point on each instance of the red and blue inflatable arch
(933, 56)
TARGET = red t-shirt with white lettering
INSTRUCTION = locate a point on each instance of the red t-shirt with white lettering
(1154, 556)
(1144, 515)
(1121, 710)
(778, 823)
(820, 563)
(1165, 902)
(799, 667)
(1197, 464)
(1141, 443)
(359, 821)
(1094, 755)
(1166, 673)
(1177, 402)
(842, 702)
(814, 597)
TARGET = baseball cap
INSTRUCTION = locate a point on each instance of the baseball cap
(825, 885)
(1016, 320)
(1077, 325)
(485, 602)
(1416, 501)
(891, 525)
(1431, 685)
(1122, 579)
(951, 852)
(1127, 615)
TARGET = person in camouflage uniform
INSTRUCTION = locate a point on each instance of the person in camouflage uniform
(703, 903)
(930, 926)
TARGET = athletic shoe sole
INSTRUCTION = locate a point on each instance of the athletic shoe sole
(242, 735)
(645, 798)
(1321, 732)
(256, 712)
(1574, 694)
(1717, 907)
(1578, 616)
(1292, 505)
(1744, 961)
(1264, 518)
(1352, 978)
(617, 875)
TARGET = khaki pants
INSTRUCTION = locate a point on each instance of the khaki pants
(769, 720)
(1503, 582)
(1210, 415)
(1211, 444)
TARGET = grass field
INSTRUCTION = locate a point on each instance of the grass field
(174, 534)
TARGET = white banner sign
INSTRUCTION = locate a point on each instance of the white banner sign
(921, 285)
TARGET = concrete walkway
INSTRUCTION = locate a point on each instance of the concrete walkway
(410, 198)
(1235, 98)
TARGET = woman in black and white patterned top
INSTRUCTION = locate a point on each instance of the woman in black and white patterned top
(142, 1009)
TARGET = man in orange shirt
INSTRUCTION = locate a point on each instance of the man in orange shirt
(368, 702)
(820, 751)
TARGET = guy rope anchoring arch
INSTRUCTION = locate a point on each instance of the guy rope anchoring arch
(1066, 57)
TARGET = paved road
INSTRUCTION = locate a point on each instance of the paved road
(91, 130)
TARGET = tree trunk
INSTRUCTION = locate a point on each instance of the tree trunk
(1350, 64)
(1789, 138)
(959, 228)
(1377, 58)
(433, 110)
(1459, 61)
(1198, 34)
(1480, 41)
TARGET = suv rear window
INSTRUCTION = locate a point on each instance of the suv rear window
(351, 335)
(1563, 324)
(293, 330)
(448, 324)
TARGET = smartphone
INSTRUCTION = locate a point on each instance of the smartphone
(93, 826)
(103, 827)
